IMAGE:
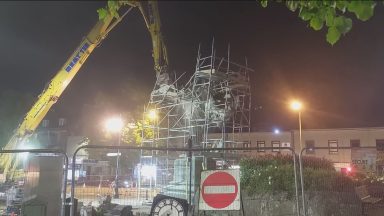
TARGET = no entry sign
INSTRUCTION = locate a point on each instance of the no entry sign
(220, 190)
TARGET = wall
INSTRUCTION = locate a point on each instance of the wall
(367, 159)
(319, 204)
(44, 182)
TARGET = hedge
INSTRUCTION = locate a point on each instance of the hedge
(274, 174)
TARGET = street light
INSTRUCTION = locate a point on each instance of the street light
(115, 125)
(152, 114)
(298, 106)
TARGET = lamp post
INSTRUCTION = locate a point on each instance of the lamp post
(152, 116)
(297, 106)
(115, 125)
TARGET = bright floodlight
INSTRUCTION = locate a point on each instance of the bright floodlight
(152, 114)
(296, 105)
(113, 154)
(148, 171)
(276, 131)
(114, 125)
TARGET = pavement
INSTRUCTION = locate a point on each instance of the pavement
(141, 206)
(140, 202)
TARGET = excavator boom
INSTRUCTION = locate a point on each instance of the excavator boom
(67, 72)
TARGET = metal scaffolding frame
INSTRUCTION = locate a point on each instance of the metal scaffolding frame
(216, 99)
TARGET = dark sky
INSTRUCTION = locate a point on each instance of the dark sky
(341, 85)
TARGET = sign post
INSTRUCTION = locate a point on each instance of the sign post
(220, 190)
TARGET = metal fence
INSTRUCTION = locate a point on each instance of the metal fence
(128, 175)
(38, 183)
(335, 181)
(326, 181)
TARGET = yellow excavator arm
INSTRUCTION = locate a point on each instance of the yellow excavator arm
(63, 77)
(60, 81)
(150, 13)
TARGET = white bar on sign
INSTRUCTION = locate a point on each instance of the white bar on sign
(227, 189)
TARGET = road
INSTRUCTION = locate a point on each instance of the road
(92, 195)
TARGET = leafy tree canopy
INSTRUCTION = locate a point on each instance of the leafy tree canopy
(336, 15)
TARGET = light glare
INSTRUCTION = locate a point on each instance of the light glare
(152, 114)
(148, 171)
(113, 154)
(114, 124)
(296, 105)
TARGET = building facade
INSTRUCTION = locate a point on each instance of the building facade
(365, 146)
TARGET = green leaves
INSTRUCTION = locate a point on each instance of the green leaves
(111, 8)
(264, 3)
(362, 9)
(102, 13)
(305, 14)
(316, 23)
(292, 5)
(333, 35)
(343, 24)
(269, 174)
(330, 12)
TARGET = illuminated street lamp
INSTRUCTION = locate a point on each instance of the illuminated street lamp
(115, 125)
(152, 114)
(298, 106)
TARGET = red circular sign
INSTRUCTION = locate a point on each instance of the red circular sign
(219, 190)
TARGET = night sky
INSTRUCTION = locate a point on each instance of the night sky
(342, 86)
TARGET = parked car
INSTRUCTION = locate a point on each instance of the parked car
(122, 183)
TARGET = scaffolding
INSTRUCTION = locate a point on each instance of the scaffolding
(210, 111)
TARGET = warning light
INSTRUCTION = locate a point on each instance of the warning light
(347, 170)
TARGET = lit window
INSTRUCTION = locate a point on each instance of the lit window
(310, 145)
(275, 146)
(246, 144)
(355, 143)
(380, 144)
(260, 144)
(333, 146)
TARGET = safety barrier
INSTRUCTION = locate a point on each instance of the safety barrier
(130, 175)
(336, 181)
(25, 192)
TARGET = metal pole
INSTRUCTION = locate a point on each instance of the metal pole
(65, 184)
(296, 185)
(301, 145)
(301, 166)
(295, 171)
(73, 210)
(302, 180)
(139, 181)
(190, 170)
(64, 187)
(117, 169)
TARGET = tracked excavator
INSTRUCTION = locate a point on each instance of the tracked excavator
(54, 89)
(51, 94)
